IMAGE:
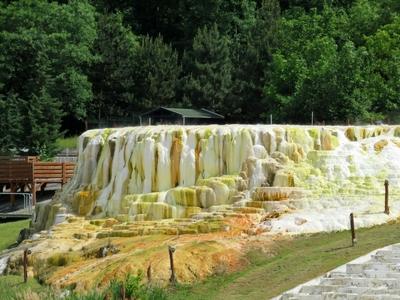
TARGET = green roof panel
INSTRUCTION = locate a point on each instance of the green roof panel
(189, 113)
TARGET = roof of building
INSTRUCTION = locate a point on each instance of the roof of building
(188, 113)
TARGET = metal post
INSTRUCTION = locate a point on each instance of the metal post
(387, 197)
(27, 198)
(183, 121)
(312, 118)
(171, 251)
(353, 232)
(13, 189)
(270, 119)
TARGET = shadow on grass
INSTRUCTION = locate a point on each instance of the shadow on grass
(339, 248)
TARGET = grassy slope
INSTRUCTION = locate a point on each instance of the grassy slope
(297, 261)
(9, 232)
(13, 287)
(69, 142)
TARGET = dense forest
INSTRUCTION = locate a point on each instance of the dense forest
(65, 62)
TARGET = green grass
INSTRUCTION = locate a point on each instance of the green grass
(13, 287)
(67, 143)
(9, 232)
(295, 262)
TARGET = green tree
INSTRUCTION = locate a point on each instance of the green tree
(10, 124)
(384, 67)
(208, 79)
(178, 21)
(251, 55)
(45, 49)
(318, 4)
(321, 77)
(365, 17)
(156, 73)
(67, 31)
(112, 75)
(23, 86)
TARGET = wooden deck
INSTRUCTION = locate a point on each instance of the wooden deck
(28, 174)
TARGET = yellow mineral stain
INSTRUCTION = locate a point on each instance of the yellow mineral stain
(378, 146)
(176, 150)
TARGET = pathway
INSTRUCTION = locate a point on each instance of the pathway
(371, 277)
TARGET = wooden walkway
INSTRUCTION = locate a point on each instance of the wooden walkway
(26, 173)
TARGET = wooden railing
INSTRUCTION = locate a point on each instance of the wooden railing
(15, 171)
(29, 173)
(52, 172)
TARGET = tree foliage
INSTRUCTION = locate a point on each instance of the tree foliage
(112, 73)
(247, 59)
(45, 49)
(208, 68)
(156, 73)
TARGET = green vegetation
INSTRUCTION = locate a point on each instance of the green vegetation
(287, 264)
(10, 232)
(66, 62)
(67, 143)
(294, 262)
(12, 287)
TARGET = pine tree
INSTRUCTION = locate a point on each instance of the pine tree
(11, 129)
(252, 53)
(208, 79)
(112, 74)
(42, 125)
(156, 73)
(24, 82)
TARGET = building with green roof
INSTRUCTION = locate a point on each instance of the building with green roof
(183, 116)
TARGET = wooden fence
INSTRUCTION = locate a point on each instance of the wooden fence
(27, 173)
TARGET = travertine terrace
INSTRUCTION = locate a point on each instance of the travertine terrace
(210, 190)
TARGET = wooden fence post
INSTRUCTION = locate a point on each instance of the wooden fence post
(149, 273)
(387, 197)
(64, 174)
(171, 251)
(353, 232)
(25, 263)
(33, 186)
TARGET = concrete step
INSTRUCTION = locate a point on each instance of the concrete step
(339, 296)
(373, 277)
(321, 289)
(388, 253)
(395, 247)
(391, 283)
(385, 259)
(368, 291)
(376, 274)
(300, 296)
(318, 289)
(373, 266)
(353, 296)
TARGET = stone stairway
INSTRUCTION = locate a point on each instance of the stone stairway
(371, 277)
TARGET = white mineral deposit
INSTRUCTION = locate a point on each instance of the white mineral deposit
(313, 176)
